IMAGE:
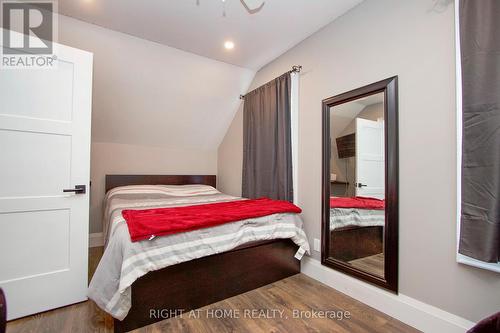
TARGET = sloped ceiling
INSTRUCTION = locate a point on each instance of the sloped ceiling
(145, 93)
(342, 115)
(198, 26)
(161, 75)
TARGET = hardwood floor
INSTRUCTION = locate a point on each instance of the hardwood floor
(372, 264)
(284, 306)
(81, 317)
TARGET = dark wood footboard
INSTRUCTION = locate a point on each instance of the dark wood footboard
(194, 284)
(349, 243)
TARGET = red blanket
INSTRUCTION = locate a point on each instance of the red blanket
(357, 202)
(142, 224)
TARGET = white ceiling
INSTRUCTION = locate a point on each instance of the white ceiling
(370, 100)
(342, 115)
(201, 29)
(148, 94)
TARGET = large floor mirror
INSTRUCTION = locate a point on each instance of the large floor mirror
(360, 183)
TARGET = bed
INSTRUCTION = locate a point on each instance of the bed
(356, 227)
(169, 274)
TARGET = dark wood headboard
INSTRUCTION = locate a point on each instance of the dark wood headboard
(113, 181)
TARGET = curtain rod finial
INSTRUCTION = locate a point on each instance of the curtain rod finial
(295, 69)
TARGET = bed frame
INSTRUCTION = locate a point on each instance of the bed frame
(196, 283)
(353, 242)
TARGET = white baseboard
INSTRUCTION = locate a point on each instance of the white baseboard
(96, 239)
(422, 316)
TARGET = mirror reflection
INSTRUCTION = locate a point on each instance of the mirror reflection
(357, 184)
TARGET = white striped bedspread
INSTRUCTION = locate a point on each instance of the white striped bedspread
(344, 217)
(124, 261)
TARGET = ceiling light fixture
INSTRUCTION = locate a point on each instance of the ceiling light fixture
(251, 6)
(229, 45)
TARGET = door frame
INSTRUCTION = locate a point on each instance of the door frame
(391, 230)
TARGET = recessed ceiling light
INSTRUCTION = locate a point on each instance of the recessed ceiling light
(229, 45)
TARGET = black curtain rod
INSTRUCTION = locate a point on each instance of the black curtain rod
(295, 69)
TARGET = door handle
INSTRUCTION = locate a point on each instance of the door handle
(79, 189)
(361, 185)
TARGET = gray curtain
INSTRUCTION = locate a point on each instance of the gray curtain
(480, 47)
(267, 141)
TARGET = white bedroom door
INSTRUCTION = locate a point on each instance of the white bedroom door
(370, 166)
(44, 149)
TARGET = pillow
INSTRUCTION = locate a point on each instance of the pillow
(173, 190)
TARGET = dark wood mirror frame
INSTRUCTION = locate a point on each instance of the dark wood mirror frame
(390, 89)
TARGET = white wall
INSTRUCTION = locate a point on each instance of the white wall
(155, 109)
(376, 40)
(113, 158)
(230, 157)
